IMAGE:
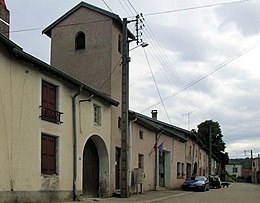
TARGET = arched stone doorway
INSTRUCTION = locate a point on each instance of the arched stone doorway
(95, 181)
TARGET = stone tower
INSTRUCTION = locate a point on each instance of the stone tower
(86, 44)
(4, 19)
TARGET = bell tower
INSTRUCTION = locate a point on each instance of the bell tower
(4, 19)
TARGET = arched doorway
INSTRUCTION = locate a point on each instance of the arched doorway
(90, 169)
(95, 179)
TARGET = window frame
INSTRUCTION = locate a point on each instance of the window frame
(141, 134)
(50, 102)
(141, 161)
(97, 115)
(80, 41)
(46, 169)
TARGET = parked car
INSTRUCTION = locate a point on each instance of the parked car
(200, 183)
(214, 182)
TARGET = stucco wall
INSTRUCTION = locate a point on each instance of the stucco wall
(21, 128)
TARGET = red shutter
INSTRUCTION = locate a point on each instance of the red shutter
(48, 155)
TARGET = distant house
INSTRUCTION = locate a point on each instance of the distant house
(234, 169)
(240, 168)
(256, 170)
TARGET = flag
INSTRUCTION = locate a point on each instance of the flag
(160, 147)
(153, 149)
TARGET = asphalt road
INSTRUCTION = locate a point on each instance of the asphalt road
(237, 193)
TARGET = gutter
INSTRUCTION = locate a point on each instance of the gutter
(75, 142)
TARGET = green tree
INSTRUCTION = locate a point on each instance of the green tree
(217, 143)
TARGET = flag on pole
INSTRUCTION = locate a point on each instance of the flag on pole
(153, 149)
(160, 147)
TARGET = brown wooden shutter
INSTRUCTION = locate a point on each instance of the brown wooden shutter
(48, 162)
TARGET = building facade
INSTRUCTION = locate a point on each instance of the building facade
(61, 126)
(256, 170)
(50, 124)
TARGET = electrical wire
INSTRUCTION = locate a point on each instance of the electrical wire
(217, 68)
(195, 8)
(148, 62)
(107, 5)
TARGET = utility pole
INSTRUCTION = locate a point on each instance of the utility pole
(210, 149)
(124, 179)
(125, 107)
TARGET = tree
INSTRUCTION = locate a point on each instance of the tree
(217, 143)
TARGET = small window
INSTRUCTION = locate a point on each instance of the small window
(97, 115)
(119, 48)
(179, 170)
(80, 41)
(119, 121)
(141, 135)
(141, 161)
(48, 154)
(182, 170)
(234, 169)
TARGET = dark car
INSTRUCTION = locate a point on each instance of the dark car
(199, 183)
(214, 182)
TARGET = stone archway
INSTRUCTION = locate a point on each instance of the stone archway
(95, 168)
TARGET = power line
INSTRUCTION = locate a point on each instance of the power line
(231, 59)
(107, 5)
(158, 91)
(196, 7)
(65, 25)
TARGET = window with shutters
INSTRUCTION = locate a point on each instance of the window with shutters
(48, 155)
(49, 110)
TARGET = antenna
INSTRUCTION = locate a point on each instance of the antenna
(188, 115)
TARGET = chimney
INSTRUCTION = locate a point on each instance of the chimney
(154, 114)
(4, 19)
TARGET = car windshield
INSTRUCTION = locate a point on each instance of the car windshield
(200, 178)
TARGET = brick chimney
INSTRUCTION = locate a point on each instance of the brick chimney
(154, 114)
(4, 19)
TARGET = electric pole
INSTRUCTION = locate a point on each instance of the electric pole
(124, 178)
(210, 149)
(125, 106)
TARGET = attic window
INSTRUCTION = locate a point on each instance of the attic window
(80, 41)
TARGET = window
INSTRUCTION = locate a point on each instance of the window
(48, 154)
(80, 41)
(119, 122)
(178, 169)
(234, 169)
(141, 135)
(119, 48)
(182, 170)
(141, 161)
(97, 115)
(49, 103)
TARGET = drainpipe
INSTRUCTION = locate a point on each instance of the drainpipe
(75, 143)
(130, 153)
(157, 137)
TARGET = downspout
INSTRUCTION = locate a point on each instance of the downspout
(75, 142)
(130, 153)
(157, 137)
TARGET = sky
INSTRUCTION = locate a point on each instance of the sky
(202, 61)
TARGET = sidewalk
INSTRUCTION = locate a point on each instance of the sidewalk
(150, 196)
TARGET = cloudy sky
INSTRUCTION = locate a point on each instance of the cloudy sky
(202, 61)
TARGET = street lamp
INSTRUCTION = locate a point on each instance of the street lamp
(143, 44)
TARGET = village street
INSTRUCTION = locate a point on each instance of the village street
(237, 193)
